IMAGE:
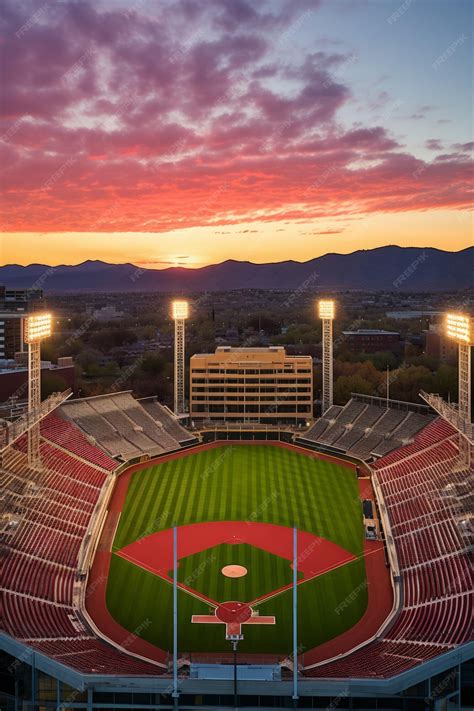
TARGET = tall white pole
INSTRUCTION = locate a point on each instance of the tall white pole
(179, 367)
(36, 327)
(34, 401)
(327, 365)
(464, 401)
(464, 376)
(175, 615)
(295, 614)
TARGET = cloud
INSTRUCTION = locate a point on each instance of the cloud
(183, 113)
(434, 144)
(464, 147)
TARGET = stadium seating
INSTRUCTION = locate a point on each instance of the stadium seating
(154, 430)
(433, 557)
(317, 429)
(366, 445)
(126, 428)
(167, 420)
(389, 421)
(65, 435)
(45, 516)
(365, 430)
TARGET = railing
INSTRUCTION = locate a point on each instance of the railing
(392, 404)
(11, 431)
(450, 413)
(236, 426)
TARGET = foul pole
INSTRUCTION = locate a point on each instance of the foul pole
(175, 616)
(295, 616)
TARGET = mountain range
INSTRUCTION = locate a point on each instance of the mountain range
(389, 268)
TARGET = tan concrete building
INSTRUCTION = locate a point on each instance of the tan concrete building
(262, 385)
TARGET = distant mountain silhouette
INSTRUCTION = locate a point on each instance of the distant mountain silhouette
(385, 268)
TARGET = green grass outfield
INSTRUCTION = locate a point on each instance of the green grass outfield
(242, 482)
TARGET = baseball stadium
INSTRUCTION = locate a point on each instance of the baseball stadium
(154, 559)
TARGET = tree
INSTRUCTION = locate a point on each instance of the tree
(407, 383)
(347, 384)
(51, 383)
(446, 382)
(153, 364)
(108, 338)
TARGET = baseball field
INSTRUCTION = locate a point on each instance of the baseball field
(235, 507)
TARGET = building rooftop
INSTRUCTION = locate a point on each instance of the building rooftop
(370, 332)
(252, 353)
(251, 349)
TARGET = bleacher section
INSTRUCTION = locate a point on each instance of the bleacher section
(45, 516)
(164, 417)
(124, 428)
(427, 498)
(318, 427)
(366, 429)
(69, 437)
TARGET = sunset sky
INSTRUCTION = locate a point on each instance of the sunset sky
(192, 131)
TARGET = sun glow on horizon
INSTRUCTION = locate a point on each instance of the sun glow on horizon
(255, 242)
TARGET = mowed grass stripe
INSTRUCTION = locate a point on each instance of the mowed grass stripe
(319, 496)
(241, 482)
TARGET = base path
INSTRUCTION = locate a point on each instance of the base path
(315, 555)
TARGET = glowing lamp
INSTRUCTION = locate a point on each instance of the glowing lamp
(37, 327)
(326, 309)
(180, 310)
(460, 328)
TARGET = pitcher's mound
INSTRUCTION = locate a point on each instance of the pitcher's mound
(234, 571)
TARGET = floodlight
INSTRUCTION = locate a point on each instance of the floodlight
(326, 309)
(37, 327)
(180, 310)
(459, 327)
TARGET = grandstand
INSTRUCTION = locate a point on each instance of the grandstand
(367, 427)
(433, 555)
(47, 515)
(126, 428)
(45, 518)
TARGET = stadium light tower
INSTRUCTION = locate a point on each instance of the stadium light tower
(460, 327)
(180, 314)
(326, 314)
(37, 327)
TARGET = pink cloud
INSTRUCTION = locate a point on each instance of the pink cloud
(185, 116)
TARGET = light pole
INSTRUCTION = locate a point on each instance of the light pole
(460, 328)
(37, 327)
(326, 314)
(180, 311)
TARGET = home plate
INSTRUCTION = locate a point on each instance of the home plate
(234, 571)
